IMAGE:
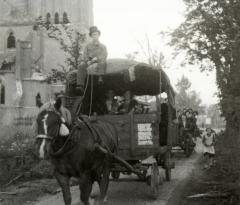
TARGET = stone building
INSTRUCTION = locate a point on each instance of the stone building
(23, 49)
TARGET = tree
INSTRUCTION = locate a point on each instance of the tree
(186, 97)
(210, 35)
(152, 56)
(71, 41)
(213, 111)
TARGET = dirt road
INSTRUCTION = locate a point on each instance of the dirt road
(129, 191)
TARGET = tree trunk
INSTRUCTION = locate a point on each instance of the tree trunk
(231, 110)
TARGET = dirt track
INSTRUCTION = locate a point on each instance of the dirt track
(129, 191)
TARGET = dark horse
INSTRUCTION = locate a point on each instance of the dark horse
(76, 153)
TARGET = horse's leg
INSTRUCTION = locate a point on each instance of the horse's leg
(85, 185)
(104, 182)
(63, 181)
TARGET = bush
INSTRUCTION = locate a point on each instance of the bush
(17, 154)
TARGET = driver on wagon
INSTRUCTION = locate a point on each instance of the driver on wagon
(94, 59)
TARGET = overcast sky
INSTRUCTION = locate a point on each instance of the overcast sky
(124, 25)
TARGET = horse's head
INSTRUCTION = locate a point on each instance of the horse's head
(50, 126)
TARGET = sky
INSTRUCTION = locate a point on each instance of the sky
(125, 25)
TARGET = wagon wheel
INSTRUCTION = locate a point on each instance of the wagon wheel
(168, 166)
(155, 180)
(115, 174)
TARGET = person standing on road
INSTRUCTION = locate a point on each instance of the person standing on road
(208, 140)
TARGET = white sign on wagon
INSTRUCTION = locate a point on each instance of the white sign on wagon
(145, 134)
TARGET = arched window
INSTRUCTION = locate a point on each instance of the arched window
(2, 94)
(11, 41)
(48, 18)
(65, 18)
(56, 18)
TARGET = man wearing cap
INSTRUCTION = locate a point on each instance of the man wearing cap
(94, 59)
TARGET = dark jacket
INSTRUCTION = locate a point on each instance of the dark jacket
(127, 107)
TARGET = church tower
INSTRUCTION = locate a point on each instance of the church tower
(77, 11)
(17, 18)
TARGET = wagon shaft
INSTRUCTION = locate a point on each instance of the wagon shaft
(119, 159)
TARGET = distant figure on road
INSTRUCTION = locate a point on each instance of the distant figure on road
(209, 140)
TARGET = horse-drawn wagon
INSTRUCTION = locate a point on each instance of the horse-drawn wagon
(110, 135)
(187, 132)
(144, 136)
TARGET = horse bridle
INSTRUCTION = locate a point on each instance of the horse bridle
(47, 137)
(42, 136)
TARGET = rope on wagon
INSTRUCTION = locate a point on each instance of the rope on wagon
(84, 93)
(91, 98)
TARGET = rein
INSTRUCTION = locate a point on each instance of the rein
(63, 151)
(96, 136)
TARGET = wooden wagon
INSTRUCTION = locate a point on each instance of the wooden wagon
(145, 138)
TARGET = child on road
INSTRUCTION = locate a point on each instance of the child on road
(209, 140)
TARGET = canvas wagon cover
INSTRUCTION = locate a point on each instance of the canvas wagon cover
(123, 75)
(139, 78)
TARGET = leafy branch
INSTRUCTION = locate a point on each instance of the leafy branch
(71, 42)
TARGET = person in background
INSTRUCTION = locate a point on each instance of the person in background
(189, 114)
(208, 140)
(184, 111)
(163, 125)
(4, 65)
(181, 127)
(38, 100)
(128, 103)
(195, 114)
(94, 59)
(111, 103)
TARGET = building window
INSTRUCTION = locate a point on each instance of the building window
(2, 94)
(48, 21)
(56, 18)
(11, 41)
(48, 18)
(65, 18)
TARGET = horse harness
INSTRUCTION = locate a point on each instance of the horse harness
(62, 150)
(98, 141)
